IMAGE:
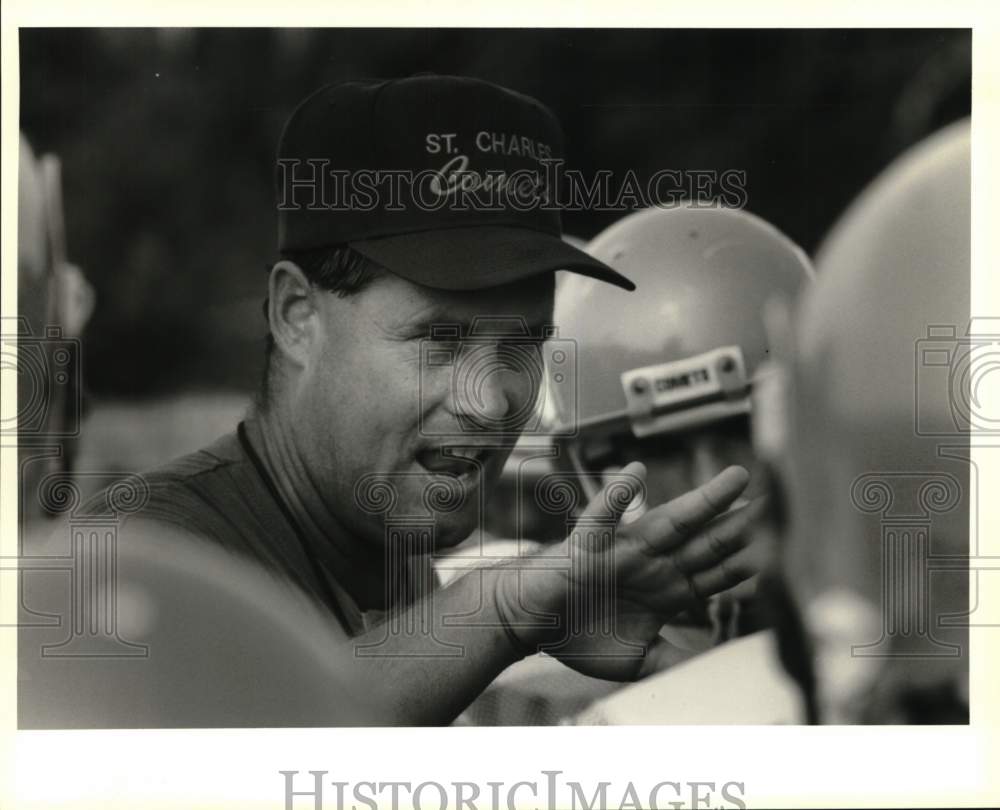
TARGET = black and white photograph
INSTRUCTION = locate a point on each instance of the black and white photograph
(495, 376)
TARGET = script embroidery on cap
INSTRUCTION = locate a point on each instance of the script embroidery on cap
(523, 185)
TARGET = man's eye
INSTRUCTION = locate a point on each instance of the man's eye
(521, 356)
(446, 342)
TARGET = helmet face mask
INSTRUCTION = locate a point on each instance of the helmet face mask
(676, 461)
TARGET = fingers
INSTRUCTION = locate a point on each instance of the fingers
(746, 590)
(637, 508)
(619, 491)
(721, 556)
(729, 573)
(671, 524)
(722, 537)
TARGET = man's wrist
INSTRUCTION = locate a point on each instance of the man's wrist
(529, 598)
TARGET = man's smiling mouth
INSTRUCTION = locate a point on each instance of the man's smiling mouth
(460, 461)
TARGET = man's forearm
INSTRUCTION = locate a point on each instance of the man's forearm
(426, 663)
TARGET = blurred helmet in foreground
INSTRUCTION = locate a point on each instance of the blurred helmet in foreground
(873, 464)
(680, 354)
(159, 629)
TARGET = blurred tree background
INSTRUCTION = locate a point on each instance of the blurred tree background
(168, 136)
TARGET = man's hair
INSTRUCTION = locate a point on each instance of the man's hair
(340, 270)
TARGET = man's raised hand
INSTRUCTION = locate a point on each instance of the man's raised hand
(625, 580)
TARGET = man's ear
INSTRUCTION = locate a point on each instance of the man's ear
(291, 311)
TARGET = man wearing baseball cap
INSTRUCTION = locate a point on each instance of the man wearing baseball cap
(419, 234)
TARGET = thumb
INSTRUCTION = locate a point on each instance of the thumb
(619, 490)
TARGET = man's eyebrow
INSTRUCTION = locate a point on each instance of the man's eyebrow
(438, 315)
(426, 317)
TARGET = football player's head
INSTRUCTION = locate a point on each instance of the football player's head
(866, 430)
(665, 374)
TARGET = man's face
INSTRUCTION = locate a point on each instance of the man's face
(368, 401)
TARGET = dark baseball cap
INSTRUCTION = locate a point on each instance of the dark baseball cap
(443, 180)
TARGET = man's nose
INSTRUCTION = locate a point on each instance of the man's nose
(485, 389)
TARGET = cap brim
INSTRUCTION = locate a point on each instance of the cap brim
(473, 258)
